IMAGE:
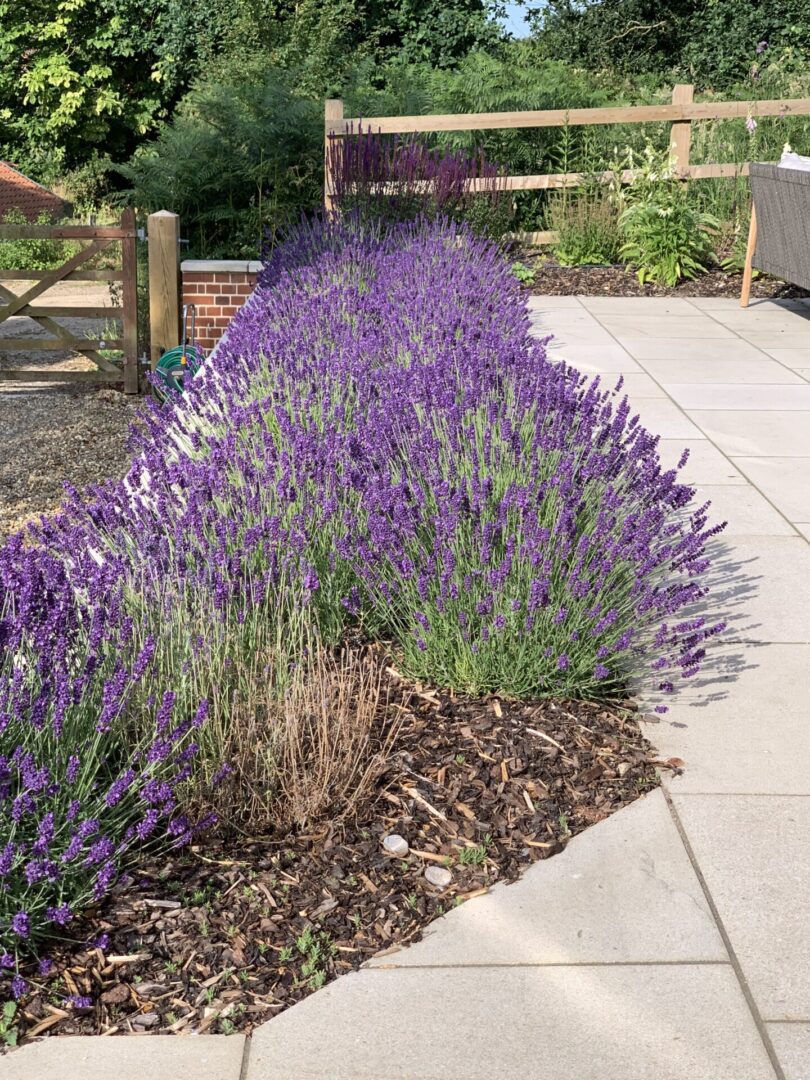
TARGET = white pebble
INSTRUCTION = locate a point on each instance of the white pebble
(396, 845)
(438, 876)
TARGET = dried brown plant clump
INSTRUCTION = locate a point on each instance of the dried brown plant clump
(312, 747)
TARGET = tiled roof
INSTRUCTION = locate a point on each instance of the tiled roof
(20, 193)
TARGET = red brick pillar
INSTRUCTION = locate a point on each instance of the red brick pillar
(218, 288)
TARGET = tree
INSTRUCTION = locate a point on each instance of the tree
(77, 77)
(236, 159)
(625, 36)
(711, 42)
(82, 78)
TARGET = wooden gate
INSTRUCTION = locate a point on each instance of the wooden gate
(95, 239)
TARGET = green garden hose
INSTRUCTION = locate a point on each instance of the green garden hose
(176, 365)
(182, 362)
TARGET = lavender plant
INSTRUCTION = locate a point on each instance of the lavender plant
(399, 178)
(80, 795)
(377, 445)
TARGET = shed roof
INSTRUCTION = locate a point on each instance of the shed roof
(19, 192)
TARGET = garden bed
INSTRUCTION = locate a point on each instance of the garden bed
(228, 934)
(383, 484)
(552, 279)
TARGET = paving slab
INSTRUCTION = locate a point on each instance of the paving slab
(756, 396)
(563, 316)
(740, 725)
(675, 348)
(752, 852)
(756, 434)
(543, 303)
(677, 1022)
(792, 358)
(676, 327)
(608, 358)
(784, 480)
(705, 464)
(746, 511)
(709, 302)
(761, 586)
(613, 306)
(792, 1045)
(586, 333)
(636, 384)
(722, 369)
(761, 320)
(754, 304)
(804, 528)
(623, 891)
(134, 1057)
(663, 417)
(775, 339)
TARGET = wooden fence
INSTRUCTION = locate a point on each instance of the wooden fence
(95, 239)
(681, 113)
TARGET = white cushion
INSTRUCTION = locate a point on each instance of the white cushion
(789, 160)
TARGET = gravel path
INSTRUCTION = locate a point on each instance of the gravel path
(52, 433)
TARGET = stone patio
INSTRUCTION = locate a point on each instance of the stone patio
(670, 941)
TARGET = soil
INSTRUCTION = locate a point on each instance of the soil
(551, 279)
(229, 933)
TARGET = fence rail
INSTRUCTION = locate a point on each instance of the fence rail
(96, 239)
(681, 113)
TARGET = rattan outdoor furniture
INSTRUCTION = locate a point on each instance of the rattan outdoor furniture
(779, 236)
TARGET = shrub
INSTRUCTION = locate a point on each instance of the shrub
(380, 448)
(35, 253)
(322, 746)
(238, 156)
(82, 793)
(667, 237)
(587, 225)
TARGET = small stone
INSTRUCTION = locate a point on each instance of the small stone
(438, 876)
(623, 768)
(396, 845)
(116, 995)
(145, 1020)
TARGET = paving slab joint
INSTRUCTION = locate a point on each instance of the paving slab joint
(243, 1072)
(735, 963)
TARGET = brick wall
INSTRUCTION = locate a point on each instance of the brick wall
(218, 288)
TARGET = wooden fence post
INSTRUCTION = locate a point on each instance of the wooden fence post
(163, 230)
(681, 137)
(129, 266)
(333, 113)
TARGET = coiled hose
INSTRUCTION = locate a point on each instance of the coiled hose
(182, 362)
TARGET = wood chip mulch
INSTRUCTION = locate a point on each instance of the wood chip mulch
(552, 279)
(227, 934)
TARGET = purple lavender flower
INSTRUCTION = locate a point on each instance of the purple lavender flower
(21, 924)
(60, 915)
(78, 1001)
